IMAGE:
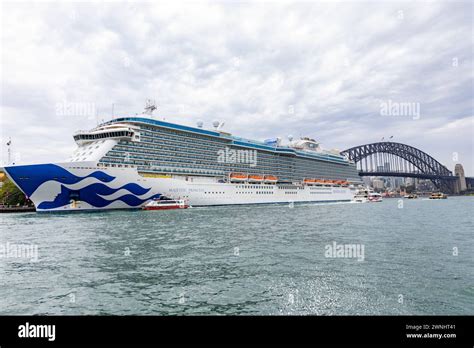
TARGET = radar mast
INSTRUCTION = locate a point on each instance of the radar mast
(150, 106)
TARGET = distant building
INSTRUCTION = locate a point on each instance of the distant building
(459, 172)
(378, 184)
(425, 185)
(399, 182)
(367, 180)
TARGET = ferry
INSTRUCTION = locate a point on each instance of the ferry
(129, 161)
(365, 195)
(361, 196)
(438, 195)
(411, 196)
(165, 203)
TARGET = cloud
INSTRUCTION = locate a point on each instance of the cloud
(266, 69)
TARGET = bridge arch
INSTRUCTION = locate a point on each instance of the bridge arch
(396, 159)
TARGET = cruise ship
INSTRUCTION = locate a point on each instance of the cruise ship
(129, 161)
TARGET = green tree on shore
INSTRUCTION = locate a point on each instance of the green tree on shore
(10, 194)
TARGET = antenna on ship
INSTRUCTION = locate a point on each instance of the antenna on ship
(150, 106)
(9, 150)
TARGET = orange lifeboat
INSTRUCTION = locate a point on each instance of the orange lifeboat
(309, 181)
(255, 178)
(319, 181)
(238, 176)
(270, 178)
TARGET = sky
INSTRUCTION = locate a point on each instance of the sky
(344, 73)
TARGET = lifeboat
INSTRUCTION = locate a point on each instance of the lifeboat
(327, 182)
(255, 178)
(309, 181)
(238, 176)
(270, 178)
(319, 181)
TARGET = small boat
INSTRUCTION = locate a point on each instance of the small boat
(411, 196)
(362, 196)
(365, 195)
(438, 195)
(165, 203)
(309, 181)
(375, 197)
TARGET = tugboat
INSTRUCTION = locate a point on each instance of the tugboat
(438, 195)
(165, 203)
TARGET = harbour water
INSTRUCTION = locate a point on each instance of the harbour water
(418, 258)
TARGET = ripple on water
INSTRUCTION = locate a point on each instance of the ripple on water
(244, 260)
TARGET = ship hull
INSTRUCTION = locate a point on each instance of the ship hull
(82, 186)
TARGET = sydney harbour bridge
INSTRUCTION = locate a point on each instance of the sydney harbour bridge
(400, 160)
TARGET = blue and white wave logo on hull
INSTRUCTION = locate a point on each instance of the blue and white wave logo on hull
(51, 186)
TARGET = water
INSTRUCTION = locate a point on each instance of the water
(244, 260)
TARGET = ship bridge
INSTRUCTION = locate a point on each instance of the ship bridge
(116, 131)
(94, 144)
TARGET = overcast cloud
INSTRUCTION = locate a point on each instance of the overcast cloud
(268, 69)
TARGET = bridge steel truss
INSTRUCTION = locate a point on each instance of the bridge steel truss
(396, 159)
